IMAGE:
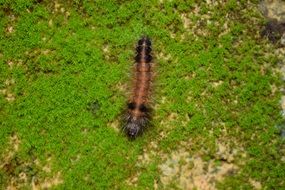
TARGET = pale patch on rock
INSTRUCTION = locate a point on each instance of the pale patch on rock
(282, 40)
(168, 123)
(50, 23)
(172, 35)
(217, 124)
(163, 56)
(189, 98)
(106, 51)
(190, 76)
(10, 63)
(67, 14)
(9, 96)
(217, 83)
(46, 51)
(57, 6)
(24, 179)
(280, 52)
(186, 21)
(14, 144)
(125, 89)
(283, 102)
(9, 82)
(255, 184)
(47, 167)
(11, 187)
(48, 182)
(9, 29)
(192, 172)
(225, 27)
(133, 180)
(273, 9)
(115, 125)
(149, 152)
(62, 10)
(122, 87)
(213, 2)
(196, 10)
(172, 116)
(163, 100)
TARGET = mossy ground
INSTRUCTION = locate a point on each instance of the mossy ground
(63, 76)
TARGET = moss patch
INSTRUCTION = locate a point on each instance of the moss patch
(64, 69)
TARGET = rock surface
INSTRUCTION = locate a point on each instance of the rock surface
(274, 11)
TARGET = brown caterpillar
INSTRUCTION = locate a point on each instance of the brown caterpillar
(138, 112)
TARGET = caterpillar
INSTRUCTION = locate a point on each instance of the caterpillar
(138, 109)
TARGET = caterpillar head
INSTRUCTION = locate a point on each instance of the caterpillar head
(132, 130)
(134, 126)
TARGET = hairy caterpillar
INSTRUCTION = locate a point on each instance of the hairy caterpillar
(138, 111)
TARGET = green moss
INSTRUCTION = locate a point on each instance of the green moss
(67, 95)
